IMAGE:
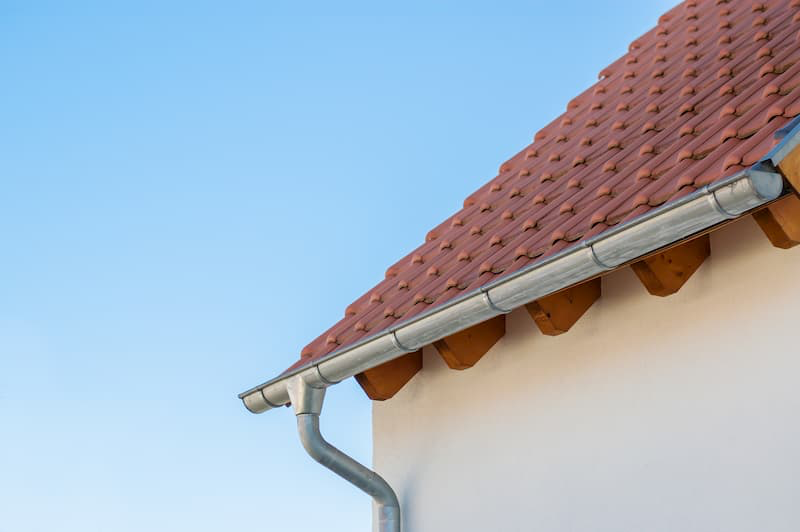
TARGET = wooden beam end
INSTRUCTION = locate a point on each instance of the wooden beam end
(781, 222)
(664, 273)
(463, 349)
(789, 168)
(384, 381)
(555, 314)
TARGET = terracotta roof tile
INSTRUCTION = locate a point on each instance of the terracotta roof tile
(695, 99)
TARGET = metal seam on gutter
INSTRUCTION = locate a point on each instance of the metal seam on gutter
(489, 303)
(596, 260)
(270, 403)
(751, 199)
(712, 199)
(323, 379)
(396, 343)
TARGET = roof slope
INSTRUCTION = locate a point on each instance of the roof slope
(695, 100)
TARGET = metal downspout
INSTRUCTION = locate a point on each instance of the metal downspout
(307, 402)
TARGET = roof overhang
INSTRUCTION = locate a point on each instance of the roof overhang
(672, 223)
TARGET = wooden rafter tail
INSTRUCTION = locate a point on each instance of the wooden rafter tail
(463, 349)
(789, 168)
(555, 314)
(666, 272)
(781, 222)
(384, 381)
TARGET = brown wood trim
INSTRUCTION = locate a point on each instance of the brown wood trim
(781, 222)
(789, 167)
(382, 382)
(665, 273)
(555, 314)
(463, 349)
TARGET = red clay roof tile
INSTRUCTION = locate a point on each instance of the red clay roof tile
(695, 99)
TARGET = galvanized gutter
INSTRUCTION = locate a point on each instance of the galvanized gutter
(661, 227)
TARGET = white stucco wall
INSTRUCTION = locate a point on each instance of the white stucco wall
(651, 414)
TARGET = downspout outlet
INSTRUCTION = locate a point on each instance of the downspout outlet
(305, 398)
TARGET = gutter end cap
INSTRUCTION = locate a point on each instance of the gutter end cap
(766, 183)
(255, 402)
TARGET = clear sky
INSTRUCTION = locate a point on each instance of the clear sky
(191, 193)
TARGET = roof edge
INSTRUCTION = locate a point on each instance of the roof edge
(669, 224)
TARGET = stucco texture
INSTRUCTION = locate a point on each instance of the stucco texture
(651, 414)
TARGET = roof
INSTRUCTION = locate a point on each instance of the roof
(695, 100)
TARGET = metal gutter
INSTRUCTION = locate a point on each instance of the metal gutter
(661, 227)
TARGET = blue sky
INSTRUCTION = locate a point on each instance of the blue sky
(191, 193)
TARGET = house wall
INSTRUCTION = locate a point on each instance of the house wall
(651, 414)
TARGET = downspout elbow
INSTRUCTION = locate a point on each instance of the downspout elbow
(307, 401)
(362, 477)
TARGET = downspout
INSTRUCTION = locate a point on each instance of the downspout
(307, 401)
